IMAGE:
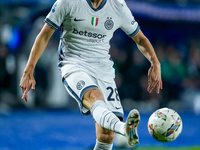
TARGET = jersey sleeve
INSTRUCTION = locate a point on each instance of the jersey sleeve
(129, 25)
(57, 14)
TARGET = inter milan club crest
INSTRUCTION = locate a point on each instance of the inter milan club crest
(94, 21)
(109, 23)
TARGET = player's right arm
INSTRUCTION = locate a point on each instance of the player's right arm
(27, 81)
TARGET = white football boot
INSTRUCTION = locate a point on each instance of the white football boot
(131, 127)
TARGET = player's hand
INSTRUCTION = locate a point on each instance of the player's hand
(154, 78)
(27, 82)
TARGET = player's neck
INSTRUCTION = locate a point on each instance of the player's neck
(96, 3)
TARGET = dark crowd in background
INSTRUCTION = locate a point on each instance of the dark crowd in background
(176, 42)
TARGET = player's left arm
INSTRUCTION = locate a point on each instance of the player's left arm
(154, 73)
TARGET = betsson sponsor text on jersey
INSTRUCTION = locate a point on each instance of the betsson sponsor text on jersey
(97, 38)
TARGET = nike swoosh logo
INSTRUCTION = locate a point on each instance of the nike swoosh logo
(78, 19)
(118, 107)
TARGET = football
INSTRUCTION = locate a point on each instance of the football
(165, 125)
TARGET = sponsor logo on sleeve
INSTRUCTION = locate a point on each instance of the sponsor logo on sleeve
(132, 22)
(80, 84)
(54, 7)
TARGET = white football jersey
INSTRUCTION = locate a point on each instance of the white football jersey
(86, 33)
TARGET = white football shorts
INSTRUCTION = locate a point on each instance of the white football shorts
(78, 83)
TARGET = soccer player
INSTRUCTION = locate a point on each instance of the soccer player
(85, 64)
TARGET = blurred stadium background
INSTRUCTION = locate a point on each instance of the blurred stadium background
(51, 119)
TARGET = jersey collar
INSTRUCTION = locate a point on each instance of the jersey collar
(101, 5)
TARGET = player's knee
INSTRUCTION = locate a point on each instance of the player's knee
(93, 95)
(107, 137)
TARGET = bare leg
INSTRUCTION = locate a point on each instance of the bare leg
(104, 135)
(104, 139)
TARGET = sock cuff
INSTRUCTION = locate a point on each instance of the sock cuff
(100, 146)
(102, 143)
(96, 104)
